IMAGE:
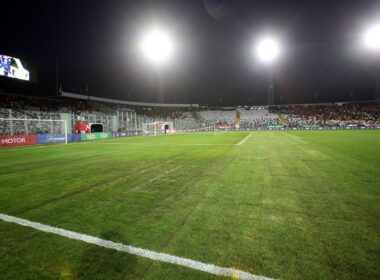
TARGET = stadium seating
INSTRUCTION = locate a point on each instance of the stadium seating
(331, 115)
(253, 117)
(124, 118)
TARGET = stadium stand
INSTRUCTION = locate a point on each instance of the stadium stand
(125, 119)
(251, 117)
(117, 118)
(332, 115)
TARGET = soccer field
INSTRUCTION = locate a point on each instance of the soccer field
(289, 205)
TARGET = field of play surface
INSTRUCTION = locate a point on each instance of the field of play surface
(284, 205)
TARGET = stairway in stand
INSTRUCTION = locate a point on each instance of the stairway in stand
(282, 120)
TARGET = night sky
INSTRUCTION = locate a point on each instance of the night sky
(93, 43)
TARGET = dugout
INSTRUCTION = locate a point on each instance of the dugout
(96, 127)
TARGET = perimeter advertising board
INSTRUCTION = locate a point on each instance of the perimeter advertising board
(56, 138)
(95, 136)
(17, 140)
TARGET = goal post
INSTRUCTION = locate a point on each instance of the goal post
(152, 128)
(55, 131)
(160, 127)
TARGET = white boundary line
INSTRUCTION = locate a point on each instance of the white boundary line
(156, 178)
(205, 144)
(210, 268)
(245, 139)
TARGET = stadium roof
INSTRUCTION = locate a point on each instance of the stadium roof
(132, 103)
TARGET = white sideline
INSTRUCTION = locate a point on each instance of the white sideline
(245, 139)
(210, 268)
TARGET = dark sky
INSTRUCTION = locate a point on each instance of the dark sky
(94, 43)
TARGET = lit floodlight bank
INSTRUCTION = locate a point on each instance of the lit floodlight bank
(157, 46)
(267, 50)
(372, 37)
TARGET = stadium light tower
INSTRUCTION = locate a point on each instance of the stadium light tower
(267, 50)
(157, 46)
(371, 40)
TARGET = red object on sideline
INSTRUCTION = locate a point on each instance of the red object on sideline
(17, 140)
(82, 127)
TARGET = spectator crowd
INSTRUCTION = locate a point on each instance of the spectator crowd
(292, 116)
(331, 115)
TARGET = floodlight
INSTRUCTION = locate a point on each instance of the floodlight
(267, 49)
(372, 37)
(157, 46)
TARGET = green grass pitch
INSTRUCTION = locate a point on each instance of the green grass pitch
(289, 205)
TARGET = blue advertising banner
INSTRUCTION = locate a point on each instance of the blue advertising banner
(56, 138)
(75, 137)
